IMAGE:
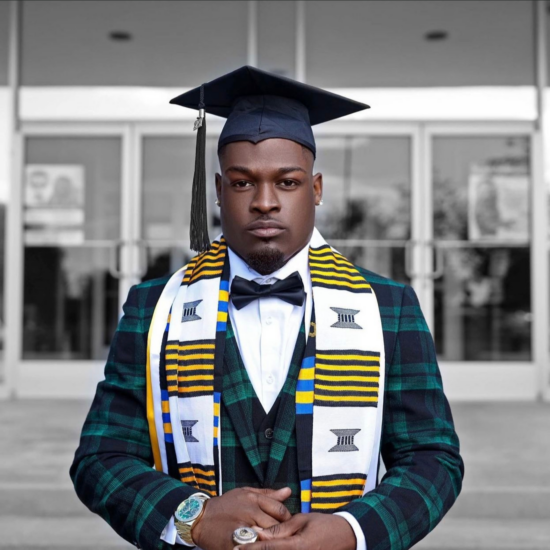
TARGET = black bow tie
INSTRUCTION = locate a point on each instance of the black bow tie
(290, 290)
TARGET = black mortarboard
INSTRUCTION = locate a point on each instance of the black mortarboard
(258, 105)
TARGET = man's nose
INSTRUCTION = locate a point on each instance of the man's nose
(265, 199)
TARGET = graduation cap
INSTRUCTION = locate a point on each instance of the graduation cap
(258, 105)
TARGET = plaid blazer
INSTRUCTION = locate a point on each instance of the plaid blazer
(112, 469)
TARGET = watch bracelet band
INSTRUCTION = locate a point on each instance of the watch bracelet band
(199, 517)
(184, 530)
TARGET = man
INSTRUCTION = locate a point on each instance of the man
(265, 379)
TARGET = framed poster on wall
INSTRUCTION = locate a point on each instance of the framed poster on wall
(498, 201)
(54, 204)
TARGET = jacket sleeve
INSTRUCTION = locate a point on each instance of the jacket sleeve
(113, 466)
(419, 444)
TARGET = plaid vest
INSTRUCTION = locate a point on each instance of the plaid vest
(259, 449)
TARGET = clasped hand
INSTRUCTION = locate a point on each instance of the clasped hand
(277, 529)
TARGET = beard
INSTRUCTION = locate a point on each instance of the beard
(266, 261)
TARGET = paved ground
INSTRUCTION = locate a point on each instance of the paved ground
(505, 503)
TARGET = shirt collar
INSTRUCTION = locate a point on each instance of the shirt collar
(299, 262)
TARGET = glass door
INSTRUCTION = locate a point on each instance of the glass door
(478, 269)
(71, 228)
(74, 230)
(166, 162)
(367, 196)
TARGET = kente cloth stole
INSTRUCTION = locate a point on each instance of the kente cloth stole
(339, 394)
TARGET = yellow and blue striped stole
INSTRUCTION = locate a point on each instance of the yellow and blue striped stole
(190, 368)
(340, 378)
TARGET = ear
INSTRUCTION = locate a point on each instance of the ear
(219, 187)
(318, 187)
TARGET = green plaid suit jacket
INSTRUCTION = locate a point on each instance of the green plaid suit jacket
(112, 469)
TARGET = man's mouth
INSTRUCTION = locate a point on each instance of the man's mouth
(265, 229)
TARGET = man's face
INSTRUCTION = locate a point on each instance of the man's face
(268, 195)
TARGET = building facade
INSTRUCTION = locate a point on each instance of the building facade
(442, 184)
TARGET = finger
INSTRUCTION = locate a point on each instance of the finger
(279, 494)
(291, 543)
(274, 508)
(263, 520)
(283, 530)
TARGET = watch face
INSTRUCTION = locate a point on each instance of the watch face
(189, 509)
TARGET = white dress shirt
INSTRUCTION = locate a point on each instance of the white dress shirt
(266, 331)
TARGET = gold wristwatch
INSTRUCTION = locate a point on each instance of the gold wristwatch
(188, 513)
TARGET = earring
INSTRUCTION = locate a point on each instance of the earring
(218, 203)
(320, 203)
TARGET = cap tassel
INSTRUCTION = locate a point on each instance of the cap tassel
(200, 241)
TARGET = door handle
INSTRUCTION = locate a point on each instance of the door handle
(409, 250)
(142, 258)
(439, 262)
(439, 269)
(114, 260)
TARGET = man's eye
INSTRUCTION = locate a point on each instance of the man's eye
(241, 183)
(288, 183)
